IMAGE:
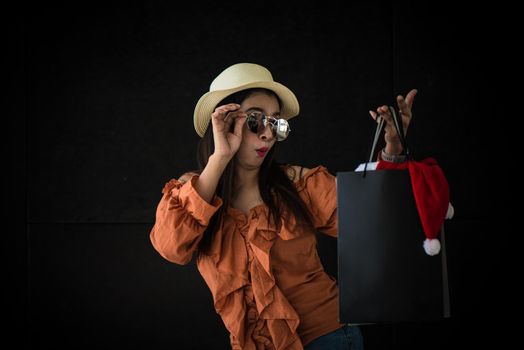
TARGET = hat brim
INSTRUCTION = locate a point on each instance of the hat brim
(208, 102)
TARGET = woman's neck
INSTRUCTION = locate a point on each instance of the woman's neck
(246, 179)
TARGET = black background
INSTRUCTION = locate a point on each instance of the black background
(103, 102)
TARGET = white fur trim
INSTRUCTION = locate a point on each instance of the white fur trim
(432, 246)
(451, 211)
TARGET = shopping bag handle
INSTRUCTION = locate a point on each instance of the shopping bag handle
(397, 121)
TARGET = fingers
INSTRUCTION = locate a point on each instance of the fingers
(403, 107)
(406, 104)
(233, 117)
(383, 111)
(228, 119)
(410, 97)
(374, 115)
(221, 112)
(239, 125)
(377, 117)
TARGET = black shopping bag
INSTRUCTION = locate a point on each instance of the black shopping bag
(384, 274)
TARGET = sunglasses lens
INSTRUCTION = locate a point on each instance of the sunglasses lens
(252, 124)
(281, 129)
(257, 122)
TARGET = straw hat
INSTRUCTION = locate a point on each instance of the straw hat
(241, 76)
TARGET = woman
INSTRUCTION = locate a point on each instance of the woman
(252, 221)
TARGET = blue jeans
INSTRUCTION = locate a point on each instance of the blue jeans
(345, 338)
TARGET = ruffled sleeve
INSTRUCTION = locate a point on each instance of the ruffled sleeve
(318, 189)
(181, 219)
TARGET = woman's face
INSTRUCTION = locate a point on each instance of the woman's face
(251, 142)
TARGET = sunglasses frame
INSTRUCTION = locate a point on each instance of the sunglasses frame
(275, 125)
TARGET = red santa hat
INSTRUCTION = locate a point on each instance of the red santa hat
(431, 192)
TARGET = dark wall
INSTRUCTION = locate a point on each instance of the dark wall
(106, 101)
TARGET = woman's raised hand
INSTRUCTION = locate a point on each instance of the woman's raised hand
(227, 137)
(393, 145)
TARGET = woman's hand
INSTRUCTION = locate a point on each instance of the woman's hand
(393, 145)
(227, 143)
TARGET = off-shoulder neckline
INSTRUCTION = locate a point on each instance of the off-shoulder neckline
(263, 205)
(307, 173)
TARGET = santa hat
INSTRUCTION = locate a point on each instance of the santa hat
(431, 192)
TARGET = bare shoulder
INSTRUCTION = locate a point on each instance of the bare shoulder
(295, 172)
(187, 176)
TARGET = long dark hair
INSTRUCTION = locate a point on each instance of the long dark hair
(276, 188)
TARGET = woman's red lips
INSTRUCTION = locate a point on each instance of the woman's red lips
(262, 151)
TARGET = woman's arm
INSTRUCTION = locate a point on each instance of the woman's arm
(184, 212)
(208, 181)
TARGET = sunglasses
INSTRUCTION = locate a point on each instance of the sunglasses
(257, 122)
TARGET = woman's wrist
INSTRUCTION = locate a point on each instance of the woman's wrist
(219, 160)
(393, 158)
(393, 148)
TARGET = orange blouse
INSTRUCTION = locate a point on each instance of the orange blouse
(269, 287)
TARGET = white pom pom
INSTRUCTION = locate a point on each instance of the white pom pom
(432, 246)
(451, 211)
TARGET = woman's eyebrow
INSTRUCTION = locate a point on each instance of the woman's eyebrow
(258, 109)
(255, 109)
